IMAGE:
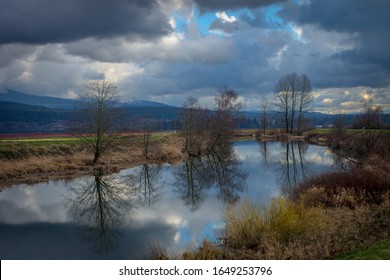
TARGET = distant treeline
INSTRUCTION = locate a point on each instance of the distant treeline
(22, 118)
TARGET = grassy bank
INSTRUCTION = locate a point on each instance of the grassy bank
(379, 250)
(348, 131)
(35, 160)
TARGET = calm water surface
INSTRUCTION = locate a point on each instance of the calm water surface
(119, 216)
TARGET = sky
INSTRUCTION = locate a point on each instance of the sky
(167, 50)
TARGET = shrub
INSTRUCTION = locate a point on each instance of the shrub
(350, 189)
(248, 224)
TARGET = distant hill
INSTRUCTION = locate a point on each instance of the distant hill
(23, 118)
(22, 112)
(14, 106)
(64, 103)
(46, 101)
(143, 104)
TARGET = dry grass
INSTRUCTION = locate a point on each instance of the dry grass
(247, 223)
(24, 163)
(292, 231)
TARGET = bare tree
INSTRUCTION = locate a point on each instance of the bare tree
(371, 122)
(98, 117)
(339, 124)
(265, 104)
(305, 98)
(145, 126)
(193, 117)
(283, 100)
(224, 120)
(293, 95)
(206, 130)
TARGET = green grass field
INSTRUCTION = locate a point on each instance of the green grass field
(348, 131)
(41, 141)
(35, 140)
(378, 251)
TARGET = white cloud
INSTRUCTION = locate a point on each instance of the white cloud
(276, 60)
(172, 22)
(224, 17)
(327, 100)
(298, 33)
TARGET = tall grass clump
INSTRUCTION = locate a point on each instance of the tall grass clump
(248, 224)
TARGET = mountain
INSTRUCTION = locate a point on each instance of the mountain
(63, 103)
(144, 103)
(6, 106)
(23, 118)
(25, 113)
(35, 100)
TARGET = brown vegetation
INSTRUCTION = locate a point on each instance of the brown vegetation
(323, 218)
(26, 163)
(289, 230)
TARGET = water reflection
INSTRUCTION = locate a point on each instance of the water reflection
(114, 217)
(264, 151)
(220, 169)
(292, 165)
(100, 205)
(146, 183)
(342, 160)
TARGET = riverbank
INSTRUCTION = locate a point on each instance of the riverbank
(40, 158)
(335, 215)
(325, 217)
(32, 162)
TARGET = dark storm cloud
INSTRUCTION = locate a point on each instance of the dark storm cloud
(366, 20)
(91, 74)
(227, 27)
(47, 21)
(210, 5)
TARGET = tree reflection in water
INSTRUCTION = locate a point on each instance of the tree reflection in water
(145, 184)
(291, 165)
(220, 169)
(295, 165)
(100, 205)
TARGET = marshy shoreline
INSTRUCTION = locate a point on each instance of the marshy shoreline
(38, 161)
(324, 218)
(31, 163)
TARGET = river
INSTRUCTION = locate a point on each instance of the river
(121, 215)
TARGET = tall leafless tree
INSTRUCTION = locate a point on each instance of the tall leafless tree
(283, 101)
(293, 96)
(205, 130)
(145, 126)
(305, 98)
(98, 117)
(224, 120)
(370, 122)
(264, 104)
(194, 126)
(339, 124)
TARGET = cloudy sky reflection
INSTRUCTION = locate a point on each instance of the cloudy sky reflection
(52, 220)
